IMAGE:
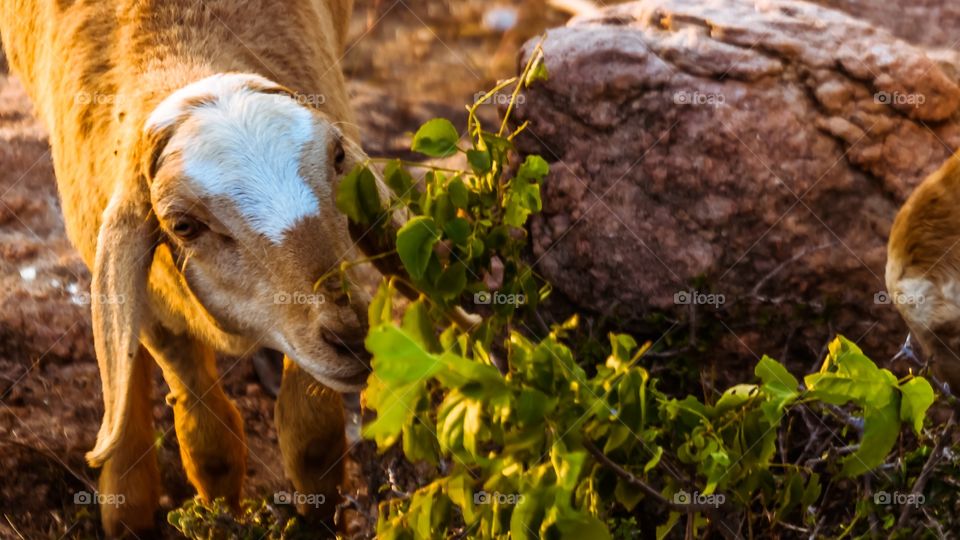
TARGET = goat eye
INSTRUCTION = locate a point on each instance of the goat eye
(187, 228)
(339, 157)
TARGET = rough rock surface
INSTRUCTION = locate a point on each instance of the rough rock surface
(758, 149)
(933, 23)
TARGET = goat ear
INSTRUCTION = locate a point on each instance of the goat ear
(273, 89)
(125, 246)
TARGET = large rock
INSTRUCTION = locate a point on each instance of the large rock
(757, 150)
(934, 23)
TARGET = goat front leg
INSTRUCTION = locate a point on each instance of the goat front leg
(209, 426)
(311, 428)
(129, 485)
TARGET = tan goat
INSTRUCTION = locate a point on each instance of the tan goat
(923, 269)
(197, 146)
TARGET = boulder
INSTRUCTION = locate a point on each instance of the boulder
(933, 23)
(736, 158)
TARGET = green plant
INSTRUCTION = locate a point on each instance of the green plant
(531, 442)
(257, 520)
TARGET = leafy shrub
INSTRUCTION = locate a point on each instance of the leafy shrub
(531, 442)
(257, 520)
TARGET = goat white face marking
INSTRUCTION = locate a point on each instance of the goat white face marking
(247, 146)
(915, 297)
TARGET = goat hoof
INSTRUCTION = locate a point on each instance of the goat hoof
(127, 513)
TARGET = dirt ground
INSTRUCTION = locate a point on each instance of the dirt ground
(406, 62)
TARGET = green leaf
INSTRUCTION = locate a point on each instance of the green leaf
(581, 526)
(734, 397)
(917, 396)
(398, 179)
(419, 443)
(621, 347)
(522, 199)
(498, 146)
(527, 515)
(480, 161)
(840, 390)
(458, 230)
(452, 281)
(664, 530)
(472, 425)
(397, 357)
(415, 241)
(419, 326)
(459, 194)
(421, 507)
(369, 195)
(357, 196)
(812, 492)
(381, 306)
(442, 209)
(460, 490)
(774, 375)
(534, 168)
(427, 515)
(654, 461)
(450, 420)
(437, 138)
(532, 406)
(538, 72)
(880, 431)
(779, 385)
(567, 466)
(394, 405)
(627, 495)
(791, 493)
(461, 371)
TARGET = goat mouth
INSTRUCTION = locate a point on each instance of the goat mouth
(349, 345)
(352, 383)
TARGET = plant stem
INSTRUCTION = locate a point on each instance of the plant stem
(418, 164)
(647, 489)
(928, 467)
(537, 56)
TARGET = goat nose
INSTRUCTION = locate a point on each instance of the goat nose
(349, 340)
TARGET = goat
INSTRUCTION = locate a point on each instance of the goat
(923, 268)
(197, 146)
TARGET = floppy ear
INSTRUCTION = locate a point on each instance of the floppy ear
(125, 246)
